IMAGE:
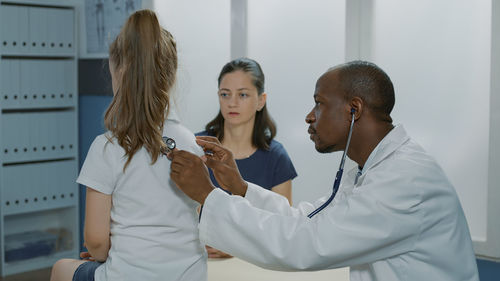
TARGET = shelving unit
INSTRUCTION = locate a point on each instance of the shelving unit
(38, 134)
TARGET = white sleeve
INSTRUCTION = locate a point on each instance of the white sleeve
(362, 228)
(271, 201)
(99, 169)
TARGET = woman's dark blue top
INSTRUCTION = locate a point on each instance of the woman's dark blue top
(266, 168)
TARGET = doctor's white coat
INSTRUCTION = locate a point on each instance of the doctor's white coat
(401, 221)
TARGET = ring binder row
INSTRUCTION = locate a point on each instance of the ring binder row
(38, 186)
(34, 136)
(37, 83)
(38, 129)
(37, 30)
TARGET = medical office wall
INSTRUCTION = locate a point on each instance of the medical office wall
(441, 56)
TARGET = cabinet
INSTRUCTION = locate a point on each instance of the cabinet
(38, 135)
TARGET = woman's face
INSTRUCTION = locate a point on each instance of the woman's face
(238, 98)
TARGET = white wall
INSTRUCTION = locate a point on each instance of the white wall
(202, 31)
(438, 56)
(295, 42)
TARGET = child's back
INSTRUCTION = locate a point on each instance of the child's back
(153, 224)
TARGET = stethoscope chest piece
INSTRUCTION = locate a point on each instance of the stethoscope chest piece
(170, 143)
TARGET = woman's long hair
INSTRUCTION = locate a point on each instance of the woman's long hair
(144, 56)
(264, 129)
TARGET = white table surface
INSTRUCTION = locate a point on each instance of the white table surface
(234, 269)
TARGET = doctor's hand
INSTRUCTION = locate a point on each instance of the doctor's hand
(190, 174)
(222, 163)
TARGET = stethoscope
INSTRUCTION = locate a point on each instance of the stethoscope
(170, 145)
(338, 177)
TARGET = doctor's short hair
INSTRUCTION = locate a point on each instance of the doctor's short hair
(369, 82)
(144, 56)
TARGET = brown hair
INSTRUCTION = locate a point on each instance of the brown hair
(264, 128)
(145, 56)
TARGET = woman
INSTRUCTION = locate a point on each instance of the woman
(138, 225)
(244, 126)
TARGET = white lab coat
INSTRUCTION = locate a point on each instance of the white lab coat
(402, 221)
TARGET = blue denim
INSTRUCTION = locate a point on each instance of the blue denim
(86, 271)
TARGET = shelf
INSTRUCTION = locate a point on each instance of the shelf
(37, 263)
(37, 55)
(49, 205)
(42, 3)
(58, 156)
(36, 108)
(38, 134)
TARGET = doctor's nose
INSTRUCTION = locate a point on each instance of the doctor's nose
(310, 118)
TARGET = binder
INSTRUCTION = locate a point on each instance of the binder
(68, 32)
(23, 126)
(10, 31)
(10, 149)
(43, 138)
(25, 87)
(5, 34)
(54, 29)
(34, 137)
(5, 89)
(15, 82)
(61, 91)
(9, 188)
(35, 186)
(35, 33)
(23, 30)
(69, 82)
(66, 133)
(54, 81)
(38, 84)
(47, 83)
(42, 19)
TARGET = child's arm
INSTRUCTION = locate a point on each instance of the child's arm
(97, 221)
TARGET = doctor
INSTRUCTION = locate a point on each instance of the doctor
(395, 217)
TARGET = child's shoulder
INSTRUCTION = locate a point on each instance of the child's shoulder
(183, 137)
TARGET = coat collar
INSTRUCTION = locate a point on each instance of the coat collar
(390, 143)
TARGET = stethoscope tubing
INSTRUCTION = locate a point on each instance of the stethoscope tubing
(338, 176)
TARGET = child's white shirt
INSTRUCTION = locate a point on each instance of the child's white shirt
(154, 225)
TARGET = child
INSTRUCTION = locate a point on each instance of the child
(138, 225)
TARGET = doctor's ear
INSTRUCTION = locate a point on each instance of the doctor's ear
(356, 107)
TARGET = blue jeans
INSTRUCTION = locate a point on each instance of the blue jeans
(86, 271)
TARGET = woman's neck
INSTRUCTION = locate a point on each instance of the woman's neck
(238, 139)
